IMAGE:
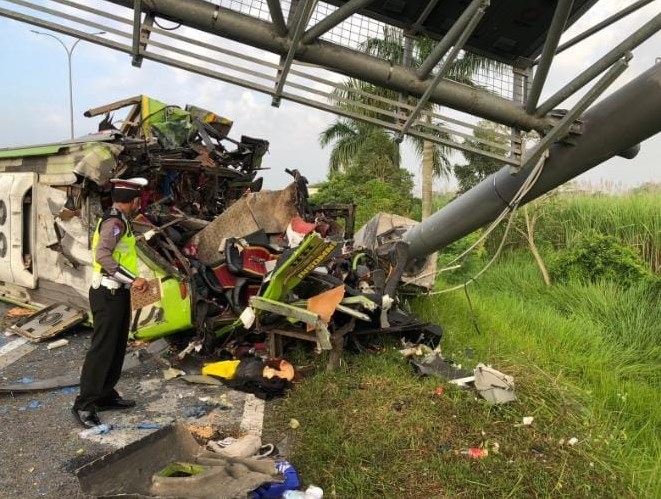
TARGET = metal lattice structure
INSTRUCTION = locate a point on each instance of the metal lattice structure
(312, 52)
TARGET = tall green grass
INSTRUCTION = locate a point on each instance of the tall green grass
(634, 218)
(599, 340)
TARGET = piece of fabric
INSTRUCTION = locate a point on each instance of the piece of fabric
(111, 312)
(250, 378)
(276, 490)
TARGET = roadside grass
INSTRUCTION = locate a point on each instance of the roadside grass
(586, 364)
(633, 218)
(600, 341)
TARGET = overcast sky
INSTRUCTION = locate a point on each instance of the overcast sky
(34, 95)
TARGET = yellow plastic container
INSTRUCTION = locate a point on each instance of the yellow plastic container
(224, 369)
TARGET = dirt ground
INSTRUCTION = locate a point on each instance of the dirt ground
(41, 446)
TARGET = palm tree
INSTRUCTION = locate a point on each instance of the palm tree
(349, 136)
(392, 47)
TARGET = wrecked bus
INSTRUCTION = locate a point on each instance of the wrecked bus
(208, 237)
(52, 195)
(220, 253)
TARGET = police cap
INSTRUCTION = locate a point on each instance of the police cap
(126, 189)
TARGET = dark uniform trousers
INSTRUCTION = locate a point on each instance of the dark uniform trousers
(111, 312)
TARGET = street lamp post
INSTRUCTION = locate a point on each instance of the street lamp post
(69, 52)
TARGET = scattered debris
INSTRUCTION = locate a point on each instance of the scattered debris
(494, 386)
(202, 432)
(29, 385)
(201, 379)
(67, 390)
(48, 322)
(149, 426)
(572, 441)
(276, 490)
(198, 410)
(245, 446)
(279, 368)
(474, 453)
(57, 344)
(225, 369)
(169, 463)
(33, 404)
(463, 382)
(430, 362)
(172, 373)
(140, 352)
(312, 492)
(251, 377)
(101, 429)
(19, 312)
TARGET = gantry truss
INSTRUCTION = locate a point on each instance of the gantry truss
(315, 53)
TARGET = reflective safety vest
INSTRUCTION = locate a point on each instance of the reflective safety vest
(124, 253)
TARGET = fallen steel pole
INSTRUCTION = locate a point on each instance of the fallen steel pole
(613, 127)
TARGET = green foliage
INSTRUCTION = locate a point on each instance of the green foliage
(596, 343)
(633, 218)
(371, 193)
(598, 257)
(585, 362)
(470, 264)
(351, 138)
(480, 167)
(648, 188)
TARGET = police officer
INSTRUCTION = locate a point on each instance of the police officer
(115, 263)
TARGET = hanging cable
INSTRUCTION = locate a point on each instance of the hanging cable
(168, 29)
(473, 315)
(526, 186)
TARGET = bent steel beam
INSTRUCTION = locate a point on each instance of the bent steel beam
(630, 43)
(417, 25)
(229, 24)
(137, 28)
(328, 23)
(612, 127)
(603, 24)
(568, 119)
(552, 38)
(450, 37)
(301, 18)
(442, 71)
(275, 9)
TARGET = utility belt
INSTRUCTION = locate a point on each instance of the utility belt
(107, 282)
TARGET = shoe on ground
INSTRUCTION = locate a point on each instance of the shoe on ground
(116, 404)
(87, 419)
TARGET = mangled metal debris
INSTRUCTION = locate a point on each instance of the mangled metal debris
(224, 258)
(65, 380)
(48, 322)
(494, 386)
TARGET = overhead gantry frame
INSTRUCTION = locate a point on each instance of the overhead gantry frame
(297, 41)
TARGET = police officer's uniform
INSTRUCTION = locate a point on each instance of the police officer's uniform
(115, 264)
